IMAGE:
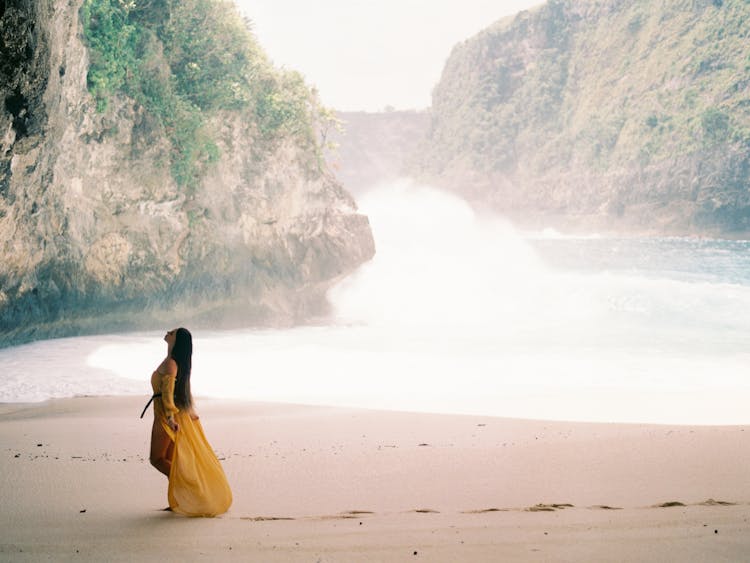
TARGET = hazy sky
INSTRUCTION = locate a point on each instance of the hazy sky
(364, 55)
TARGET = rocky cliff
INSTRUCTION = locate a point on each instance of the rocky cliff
(96, 233)
(602, 115)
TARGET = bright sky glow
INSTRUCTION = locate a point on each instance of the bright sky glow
(365, 55)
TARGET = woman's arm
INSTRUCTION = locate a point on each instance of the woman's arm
(168, 372)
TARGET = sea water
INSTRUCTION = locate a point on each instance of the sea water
(461, 313)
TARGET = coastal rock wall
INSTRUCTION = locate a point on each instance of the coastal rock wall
(601, 115)
(95, 234)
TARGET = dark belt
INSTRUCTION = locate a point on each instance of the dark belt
(149, 402)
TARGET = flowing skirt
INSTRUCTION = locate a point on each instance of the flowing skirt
(197, 484)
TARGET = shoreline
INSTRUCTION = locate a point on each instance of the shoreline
(598, 405)
(339, 484)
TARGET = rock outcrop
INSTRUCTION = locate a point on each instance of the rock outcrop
(95, 235)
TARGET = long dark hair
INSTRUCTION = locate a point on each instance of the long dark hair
(182, 354)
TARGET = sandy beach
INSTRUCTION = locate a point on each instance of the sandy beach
(330, 484)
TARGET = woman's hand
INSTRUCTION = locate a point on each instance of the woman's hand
(173, 424)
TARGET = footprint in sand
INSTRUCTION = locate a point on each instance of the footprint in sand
(669, 504)
(709, 502)
(548, 507)
(353, 514)
(348, 515)
(712, 502)
(265, 518)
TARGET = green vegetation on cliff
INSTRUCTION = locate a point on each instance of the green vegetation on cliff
(597, 107)
(185, 60)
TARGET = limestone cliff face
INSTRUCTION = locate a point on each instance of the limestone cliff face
(611, 115)
(95, 234)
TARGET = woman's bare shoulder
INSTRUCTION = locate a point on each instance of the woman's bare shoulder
(168, 367)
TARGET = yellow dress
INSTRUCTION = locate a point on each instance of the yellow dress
(197, 484)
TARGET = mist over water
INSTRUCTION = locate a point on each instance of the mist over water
(442, 272)
(461, 313)
(438, 267)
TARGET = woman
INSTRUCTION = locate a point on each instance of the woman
(179, 449)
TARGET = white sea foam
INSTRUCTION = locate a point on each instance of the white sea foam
(58, 368)
(459, 313)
